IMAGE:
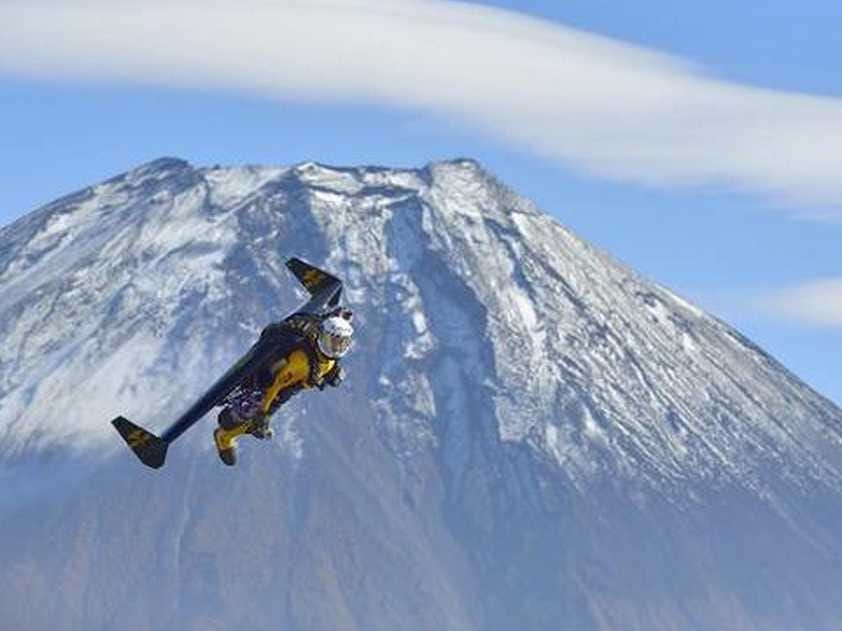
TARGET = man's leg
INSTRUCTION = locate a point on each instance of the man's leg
(225, 436)
(245, 414)
(236, 419)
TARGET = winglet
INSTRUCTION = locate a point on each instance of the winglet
(324, 288)
(151, 450)
(313, 278)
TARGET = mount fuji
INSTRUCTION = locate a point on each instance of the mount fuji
(531, 435)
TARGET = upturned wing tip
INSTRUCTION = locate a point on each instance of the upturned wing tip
(149, 448)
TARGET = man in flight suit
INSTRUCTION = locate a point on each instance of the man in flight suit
(308, 352)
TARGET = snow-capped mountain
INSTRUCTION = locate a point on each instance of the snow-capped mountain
(532, 436)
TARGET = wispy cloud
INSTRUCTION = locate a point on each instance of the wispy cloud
(816, 302)
(599, 105)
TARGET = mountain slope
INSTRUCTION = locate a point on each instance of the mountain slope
(531, 436)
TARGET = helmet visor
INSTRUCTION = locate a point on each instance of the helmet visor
(334, 345)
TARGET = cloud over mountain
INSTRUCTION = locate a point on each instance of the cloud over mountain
(595, 104)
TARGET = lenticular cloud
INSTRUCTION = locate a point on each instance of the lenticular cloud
(599, 105)
(815, 302)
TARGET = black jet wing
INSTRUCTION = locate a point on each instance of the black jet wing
(151, 449)
(325, 291)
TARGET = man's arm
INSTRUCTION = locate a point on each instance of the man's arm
(335, 376)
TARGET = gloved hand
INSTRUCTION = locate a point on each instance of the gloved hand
(260, 428)
(336, 377)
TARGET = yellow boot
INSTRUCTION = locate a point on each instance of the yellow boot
(226, 442)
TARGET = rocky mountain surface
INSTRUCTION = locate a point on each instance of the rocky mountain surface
(531, 436)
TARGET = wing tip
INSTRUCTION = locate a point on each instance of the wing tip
(311, 277)
(149, 448)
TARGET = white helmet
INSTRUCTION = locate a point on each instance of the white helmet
(335, 336)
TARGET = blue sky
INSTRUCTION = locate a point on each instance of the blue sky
(748, 225)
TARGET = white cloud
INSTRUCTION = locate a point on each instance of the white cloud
(816, 302)
(603, 106)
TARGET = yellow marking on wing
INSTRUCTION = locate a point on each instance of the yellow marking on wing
(137, 438)
(311, 278)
